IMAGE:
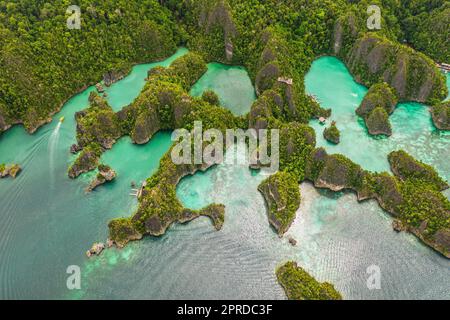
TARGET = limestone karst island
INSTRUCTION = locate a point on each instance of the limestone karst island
(225, 150)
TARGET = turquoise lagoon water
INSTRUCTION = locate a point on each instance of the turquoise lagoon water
(412, 126)
(338, 237)
(48, 221)
(232, 85)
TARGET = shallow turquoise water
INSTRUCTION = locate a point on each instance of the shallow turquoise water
(412, 126)
(338, 237)
(231, 83)
(48, 221)
(123, 92)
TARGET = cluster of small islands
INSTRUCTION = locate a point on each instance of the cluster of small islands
(277, 55)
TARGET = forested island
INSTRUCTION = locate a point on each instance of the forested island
(299, 285)
(276, 41)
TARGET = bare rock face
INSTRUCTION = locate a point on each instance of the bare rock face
(413, 75)
(147, 124)
(266, 77)
(345, 26)
(337, 37)
(441, 115)
(282, 196)
(377, 122)
(229, 50)
(292, 241)
(442, 240)
(95, 250)
(105, 174)
(219, 15)
(113, 76)
(87, 161)
(379, 95)
(75, 148)
(3, 124)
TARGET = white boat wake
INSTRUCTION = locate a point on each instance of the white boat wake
(52, 145)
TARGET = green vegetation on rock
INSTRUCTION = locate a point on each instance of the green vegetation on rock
(412, 195)
(332, 133)
(378, 55)
(413, 75)
(425, 26)
(440, 114)
(98, 124)
(377, 105)
(105, 174)
(335, 172)
(163, 104)
(379, 95)
(296, 143)
(377, 122)
(211, 97)
(159, 206)
(44, 62)
(86, 161)
(11, 170)
(299, 285)
(282, 195)
(271, 39)
(405, 167)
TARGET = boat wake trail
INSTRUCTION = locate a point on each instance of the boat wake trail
(52, 145)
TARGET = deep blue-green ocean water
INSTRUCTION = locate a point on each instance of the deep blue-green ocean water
(48, 222)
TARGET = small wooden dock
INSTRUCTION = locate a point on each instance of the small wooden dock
(138, 192)
(444, 67)
(287, 81)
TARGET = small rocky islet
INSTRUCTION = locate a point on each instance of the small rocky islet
(9, 170)
(332, 133)
(412, 194)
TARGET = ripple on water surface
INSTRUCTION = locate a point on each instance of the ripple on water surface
(413, 130)
(48, 221)
(44, 229)
(338, 237)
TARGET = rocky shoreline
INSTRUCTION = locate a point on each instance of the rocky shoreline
(105, 174)
(379, 102)
(332, 133)
(412, 195)
(282, 196)
(159, 207)
(440, 114)
(300, 285)
(11, 170)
